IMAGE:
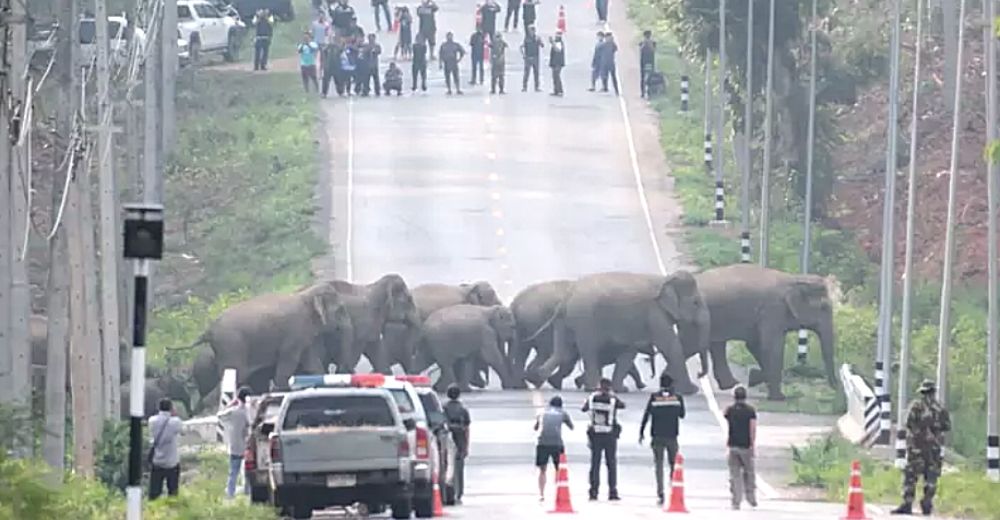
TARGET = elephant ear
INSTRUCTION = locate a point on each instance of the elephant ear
(470, 293)
(803, 296)
(674, 290)
(317, 304)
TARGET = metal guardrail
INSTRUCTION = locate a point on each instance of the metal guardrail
(862, 406)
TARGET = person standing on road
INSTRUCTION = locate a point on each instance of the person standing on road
(647, 61)
(557, 60)
(926, 423)
(458, 422)
(595, 62)
(382, 5)
(348, 64)
(370, 53)
(404, 47)
(308, 50)
(606, 62)
(476, 50)
(165, 462)
(513, 12)
(498, 63)
(426, 13)
(451, 52)
(550, 444)
(235, 421)
(489, 12)
(602, 437)
(263, 30)
(666, 409)
(418, 67)
(330, 65)
(602, 11)
(529, 12)
(320, 29)
(531, 53)
(742, 420)
(342, 17)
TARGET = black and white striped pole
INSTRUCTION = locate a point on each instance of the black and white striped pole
(143, 242)
(747, 147)
(708, 111)
(685, 93)
(708, 152)
(720, 122)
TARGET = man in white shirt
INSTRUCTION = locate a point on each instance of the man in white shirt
(236, 421)
(165, 465)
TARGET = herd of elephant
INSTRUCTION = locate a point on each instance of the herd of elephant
(599, 319)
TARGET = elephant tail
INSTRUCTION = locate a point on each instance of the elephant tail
(205, 337)
(548, 323)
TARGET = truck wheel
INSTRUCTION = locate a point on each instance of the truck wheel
(279, 499)
(258, 494)
(301, 511)
(402, 509)
(232, 52)
(424, 507)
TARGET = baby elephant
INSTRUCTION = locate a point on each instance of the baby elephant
(457, 337)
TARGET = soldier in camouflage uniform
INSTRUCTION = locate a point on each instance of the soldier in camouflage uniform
(926, 423)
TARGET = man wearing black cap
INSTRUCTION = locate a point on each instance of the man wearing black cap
(458, 423)
(666, 409)
(602, 436)
(926, 423)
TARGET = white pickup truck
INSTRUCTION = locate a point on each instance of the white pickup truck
(207, 29)
(338, 447)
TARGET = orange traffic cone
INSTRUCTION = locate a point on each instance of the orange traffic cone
(561, 20)
(563, 503)
(436, 494)
(677, 487)
(855, 495)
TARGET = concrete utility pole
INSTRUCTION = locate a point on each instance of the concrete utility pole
(884, 350)
(944, 325)
(911, 201)
(992, 418)
(109, 220)
(747, 142)
(803, 344)
(168, 47)
(88, 259)
(765, 178)
(720, 187)
(152, 183)
(6, 241)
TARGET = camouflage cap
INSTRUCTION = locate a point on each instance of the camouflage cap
(927, 386)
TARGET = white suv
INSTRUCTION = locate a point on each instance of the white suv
(206, 29)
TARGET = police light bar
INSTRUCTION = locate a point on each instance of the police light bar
(335, 380)
(415, 380)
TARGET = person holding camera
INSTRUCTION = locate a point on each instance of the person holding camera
(164, 461)
(236, 421)
(557, 60)
(602, 437)
(550, 443)
(666, 409)
(458, 422)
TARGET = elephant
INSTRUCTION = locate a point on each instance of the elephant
(759, 306)
(270, 337)
(626, 312)
(532, 307)
(456, 337)
(375, 309)
(157, 388)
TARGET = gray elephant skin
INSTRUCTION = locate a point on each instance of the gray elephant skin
(617, 314)
(760, 306)
(375, 309)
(157, 388)
(533, 309)
(456, 337)
(273, 336)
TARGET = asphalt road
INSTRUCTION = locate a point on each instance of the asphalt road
(517, 189)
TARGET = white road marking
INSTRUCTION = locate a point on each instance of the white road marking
(500, 232)
(495, 195)
(489, 119)
(491, 156)
(504, 267)
(497, 213)
(494, 177)
(706, 386)
(502, 250)
(348, 249)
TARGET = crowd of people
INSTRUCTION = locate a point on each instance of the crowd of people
(337, 51)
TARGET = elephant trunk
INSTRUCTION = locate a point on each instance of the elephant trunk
(827, 342)
(349, 352)
(517, 358)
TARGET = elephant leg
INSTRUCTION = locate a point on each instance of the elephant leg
(379, 358)
(633, 373)
(312, 362)
(720, 366)
(666, 340)
(756, 375)
(589, 353)
(286, 367)
(495, 359)
(463, 374)
(772, 356)
(624, 363)
(564, 350)
(447, 377)
(565, 370)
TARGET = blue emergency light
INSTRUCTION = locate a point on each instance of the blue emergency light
(301, 382)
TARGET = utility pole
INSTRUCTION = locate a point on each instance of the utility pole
(803, 345)
(884, 350)
(6, 240)
(88, 258)
(152, 103)
(109, 219)
(992, 418)
(911, 201)
(720, 187)
(944, 325)
(765, 179)
(168, 47)
(747, 141)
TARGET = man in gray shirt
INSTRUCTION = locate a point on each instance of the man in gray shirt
(166, 462)
(550, 444)
(236, 422)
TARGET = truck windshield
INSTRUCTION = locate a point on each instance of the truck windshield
(338, 411)
(403, 400)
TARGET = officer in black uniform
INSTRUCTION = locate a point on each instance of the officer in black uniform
(602, 437)
(666, 408)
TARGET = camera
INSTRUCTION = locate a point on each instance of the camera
(143, 231)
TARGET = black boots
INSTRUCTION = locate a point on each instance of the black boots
(906, 509)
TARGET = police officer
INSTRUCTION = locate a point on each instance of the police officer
(418, 67)
(427, 23)
(451, 52)
(477, 49)
(458, 423)
(926, 423)
(602, 436)
(665, 408)
(498, 63)
(531, 52)
(557, 60)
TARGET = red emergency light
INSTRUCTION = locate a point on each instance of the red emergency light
(368, 380)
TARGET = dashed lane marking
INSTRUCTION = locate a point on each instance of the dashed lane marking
(491, 156)
(495, 196)
(349, 250)
(494, 177)
(500, 232)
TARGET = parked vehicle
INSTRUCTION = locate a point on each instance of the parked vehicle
(425, 458)
(340, 446)
(209, 30)
(257, 459)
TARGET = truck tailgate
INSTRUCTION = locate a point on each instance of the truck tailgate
(347, 449)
